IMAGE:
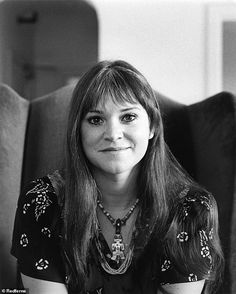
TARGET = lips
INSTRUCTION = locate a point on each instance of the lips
(114, 149)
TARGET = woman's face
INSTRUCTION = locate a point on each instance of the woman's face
(115, 136)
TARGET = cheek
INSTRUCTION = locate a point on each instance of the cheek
(86, 138)
(87, 145)
(141, 137)
(143, 131)
(90, 138)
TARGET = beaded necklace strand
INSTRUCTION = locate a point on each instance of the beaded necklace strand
(118, 246)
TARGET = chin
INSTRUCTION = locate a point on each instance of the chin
(117, 170)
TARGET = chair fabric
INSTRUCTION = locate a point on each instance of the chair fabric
(13, 123)
(45, 134)
(213, 131)
(201, 136)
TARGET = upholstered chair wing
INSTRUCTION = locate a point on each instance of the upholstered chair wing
(13, 123)
(203, 138)
(44, 142)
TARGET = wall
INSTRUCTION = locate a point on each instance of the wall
(166, 40)
(163, 39)
(229, 55)
(15, 46)
(65, 45)
(39, 57)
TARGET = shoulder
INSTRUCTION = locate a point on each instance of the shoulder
(194, 204)
(37, 231)
(38, 200)
(191, 245)
(188, 250)
(191, 194)
(194, 213)
(192, 227)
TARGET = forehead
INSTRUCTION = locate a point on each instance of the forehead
(111, 104)
(108, 99)
(102, 94)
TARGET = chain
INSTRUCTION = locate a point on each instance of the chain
(124, 219)
(118, 246)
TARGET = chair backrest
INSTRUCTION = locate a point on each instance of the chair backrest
(13, 123)
(44, 144)
(201, 136)
(213, 132)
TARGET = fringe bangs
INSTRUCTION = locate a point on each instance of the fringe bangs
(119, 87)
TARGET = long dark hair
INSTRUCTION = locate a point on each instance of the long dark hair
(162, 177)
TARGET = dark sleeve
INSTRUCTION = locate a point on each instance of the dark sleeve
(191, 248)
(36, 239)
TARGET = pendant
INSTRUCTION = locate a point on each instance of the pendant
(118, 248)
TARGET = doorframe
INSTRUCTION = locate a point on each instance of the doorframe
(216, 15)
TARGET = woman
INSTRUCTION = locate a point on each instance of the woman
(123, 216)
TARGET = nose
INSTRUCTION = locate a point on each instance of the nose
(113, 131)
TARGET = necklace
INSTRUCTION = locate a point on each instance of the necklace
(118, 246)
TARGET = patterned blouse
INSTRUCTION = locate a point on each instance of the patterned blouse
(37, 244)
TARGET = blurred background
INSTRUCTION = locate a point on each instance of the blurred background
(186, 49)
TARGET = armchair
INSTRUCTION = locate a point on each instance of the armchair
(202, 136)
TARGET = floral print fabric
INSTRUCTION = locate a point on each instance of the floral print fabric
(36, 243)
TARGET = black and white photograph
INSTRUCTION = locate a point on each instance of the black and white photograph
(118, 146)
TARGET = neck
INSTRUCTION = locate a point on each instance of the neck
(119, 191)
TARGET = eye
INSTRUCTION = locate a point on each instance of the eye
(95, 120)
(128, 117)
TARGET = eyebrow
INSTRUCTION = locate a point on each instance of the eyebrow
(122, 110)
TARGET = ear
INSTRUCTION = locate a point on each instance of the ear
(151, 134)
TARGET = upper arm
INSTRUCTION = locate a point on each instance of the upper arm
(36, 240)
(192, 249)
(182, 288)
(37, 286)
